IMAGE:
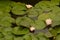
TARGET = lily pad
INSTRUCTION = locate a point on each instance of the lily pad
(18, 8)
(20, 31)
(24, 21)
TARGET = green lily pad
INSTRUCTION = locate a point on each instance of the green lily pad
(24, 21)
(53, 32)
(18, 8)
(45, 4)
(5, 6)
(30, 37)
(18, 38)
(20, 31)
(27, 37)
(55, 2)
(9, 37)
(54, 17)
(57, 37)
(39, 25)
(1, 35)
(6, 21)
(41, 36)
(32, 12)
(6, 31)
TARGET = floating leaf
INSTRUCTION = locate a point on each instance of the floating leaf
(34, 37)
(57, 37)
(32, 13)
(6, 21)
(5, 6)
(55, 30)
(6, 30)
(54, 17)
(20, 31)
(55, 2)
(55, 9)
(18, 8)
(39, 25)
(18, 38)
(30, 37)
(45, 4)
(43, 38)
(24, 21)
(1, 35)
(27, 37)
(9, 37)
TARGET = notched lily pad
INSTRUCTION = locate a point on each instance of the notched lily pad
(20, 31)
(18, 8)
(24, 21)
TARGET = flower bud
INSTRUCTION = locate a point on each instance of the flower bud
(29, 6)
(48, 21)
(32, 28)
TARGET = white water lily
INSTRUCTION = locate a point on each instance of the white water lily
(48, 21)
(32, 28)
(29, 6)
